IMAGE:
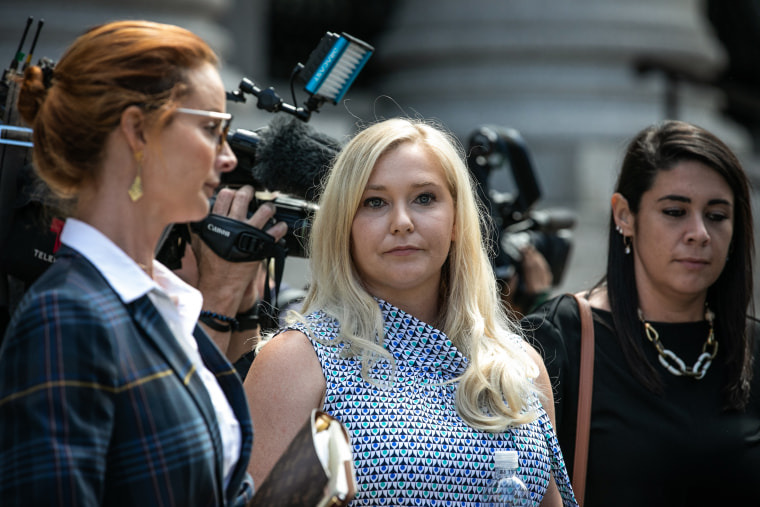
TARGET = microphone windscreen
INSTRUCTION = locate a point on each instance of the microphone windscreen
(292, 157)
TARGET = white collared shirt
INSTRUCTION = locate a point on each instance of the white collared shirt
(177, 302)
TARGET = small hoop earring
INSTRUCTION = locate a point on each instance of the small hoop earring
(135, 190)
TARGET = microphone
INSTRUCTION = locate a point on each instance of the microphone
(284, 162)
(287, 156)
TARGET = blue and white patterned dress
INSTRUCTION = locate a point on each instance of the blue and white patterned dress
(410, 445)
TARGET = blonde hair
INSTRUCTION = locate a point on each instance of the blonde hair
(496, 389)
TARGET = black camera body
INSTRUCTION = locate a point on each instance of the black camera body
(296, 213)
(516, 222)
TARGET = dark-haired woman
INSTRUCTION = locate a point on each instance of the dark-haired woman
(675, 415)
(110, 393)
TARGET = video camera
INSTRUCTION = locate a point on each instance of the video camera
(516, 222)
(29, 220)
(282, 161)
(30, 224)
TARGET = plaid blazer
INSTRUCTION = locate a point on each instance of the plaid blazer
(99, 405)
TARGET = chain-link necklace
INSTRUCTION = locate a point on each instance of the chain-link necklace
(675, 364)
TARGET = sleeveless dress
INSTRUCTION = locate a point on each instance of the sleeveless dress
(410, 446)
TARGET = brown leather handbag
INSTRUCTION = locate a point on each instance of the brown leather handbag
(585, 390)
(299, 478)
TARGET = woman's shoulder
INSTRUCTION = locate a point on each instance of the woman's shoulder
(74, 309)
(70, 288)
(555, 311)
(317, 326)
(553, 324)
(290, 350)
(71, 272)
(287, 342)
(563, 309)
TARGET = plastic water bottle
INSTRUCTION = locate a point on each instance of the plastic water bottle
(508, 489)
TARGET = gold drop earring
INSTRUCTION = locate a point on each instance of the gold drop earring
(136, 190)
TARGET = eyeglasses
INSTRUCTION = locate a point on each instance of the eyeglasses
(225, 117)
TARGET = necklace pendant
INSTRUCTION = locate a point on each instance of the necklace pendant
(674, 364)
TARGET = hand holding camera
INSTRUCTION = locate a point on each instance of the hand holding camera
(237, 277)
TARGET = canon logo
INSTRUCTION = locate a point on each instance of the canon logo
(219, 230)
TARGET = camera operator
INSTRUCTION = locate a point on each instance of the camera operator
(532, 246)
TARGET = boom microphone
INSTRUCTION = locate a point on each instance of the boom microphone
(293, 157)
(287, 156)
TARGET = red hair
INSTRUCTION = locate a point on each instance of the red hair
(105, 70)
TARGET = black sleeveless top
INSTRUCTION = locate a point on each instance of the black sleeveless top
(678, 448)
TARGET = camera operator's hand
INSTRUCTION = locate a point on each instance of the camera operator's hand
(229, 288)
(523, 294)
(537, 275)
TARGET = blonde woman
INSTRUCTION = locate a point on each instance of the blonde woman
(403, 338)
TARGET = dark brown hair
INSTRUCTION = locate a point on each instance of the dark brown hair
(660, 148)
